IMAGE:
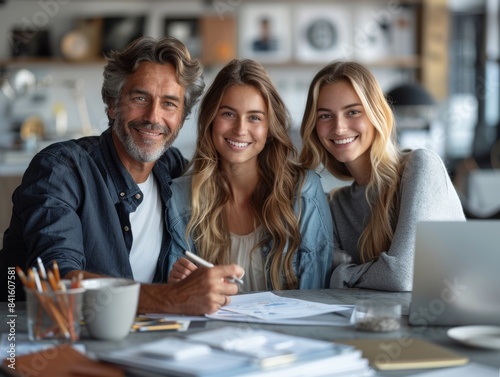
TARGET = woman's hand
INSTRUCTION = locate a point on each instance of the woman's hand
(340, 257)
(181, 269)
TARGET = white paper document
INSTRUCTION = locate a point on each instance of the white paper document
(329, 319)
(267, 306)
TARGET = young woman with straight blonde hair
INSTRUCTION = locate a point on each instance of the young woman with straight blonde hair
(246, 199)
(348, 128)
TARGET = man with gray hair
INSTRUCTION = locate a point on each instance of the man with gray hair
(98, 204)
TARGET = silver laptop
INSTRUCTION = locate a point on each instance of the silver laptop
(456, 278)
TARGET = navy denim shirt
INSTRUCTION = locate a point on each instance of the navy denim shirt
(312, 263)
(73, 206)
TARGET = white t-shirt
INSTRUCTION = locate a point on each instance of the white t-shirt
(147, 229)
(243, 254)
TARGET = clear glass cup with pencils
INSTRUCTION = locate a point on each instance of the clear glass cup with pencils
(54, 306)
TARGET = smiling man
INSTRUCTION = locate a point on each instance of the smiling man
(97, 205)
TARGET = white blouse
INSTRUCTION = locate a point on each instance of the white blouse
(244, 254)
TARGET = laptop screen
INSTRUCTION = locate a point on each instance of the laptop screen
(456, 279)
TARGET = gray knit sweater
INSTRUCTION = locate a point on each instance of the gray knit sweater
(427, 194)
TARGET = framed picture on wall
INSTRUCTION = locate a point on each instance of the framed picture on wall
(118, 32)
(219, 39)
(187, 30)
(380, 33)
(265, 32)
(322, 32)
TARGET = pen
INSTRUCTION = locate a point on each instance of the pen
(202, 262)
(157, 327)
(41, 268)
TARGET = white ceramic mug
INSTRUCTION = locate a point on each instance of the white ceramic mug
(110, 306)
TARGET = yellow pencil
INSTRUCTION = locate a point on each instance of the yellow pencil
(55, 269)
(159, 327)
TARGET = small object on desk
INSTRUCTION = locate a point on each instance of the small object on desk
(266, 350)
(377, 316)
(176, 349)
(202, 262)
(54, 314)
(110, 306)
(144, 323)
(54, 308)
(159, 326)
(145, 320)
(487, 337)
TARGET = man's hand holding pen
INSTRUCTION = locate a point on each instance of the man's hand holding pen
(209, 278)
(204, 291)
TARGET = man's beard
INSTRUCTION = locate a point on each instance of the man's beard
(137, 152)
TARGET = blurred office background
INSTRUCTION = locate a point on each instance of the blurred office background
(438, 60)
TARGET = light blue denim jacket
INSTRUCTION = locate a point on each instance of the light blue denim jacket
(312, 262)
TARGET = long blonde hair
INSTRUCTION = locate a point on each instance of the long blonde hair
(386, 159)
(280, 179)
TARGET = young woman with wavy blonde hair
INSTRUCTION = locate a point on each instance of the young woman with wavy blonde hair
(348, 127)
(246, 199)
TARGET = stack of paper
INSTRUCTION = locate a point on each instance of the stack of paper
(242, 351)
(266, 307)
